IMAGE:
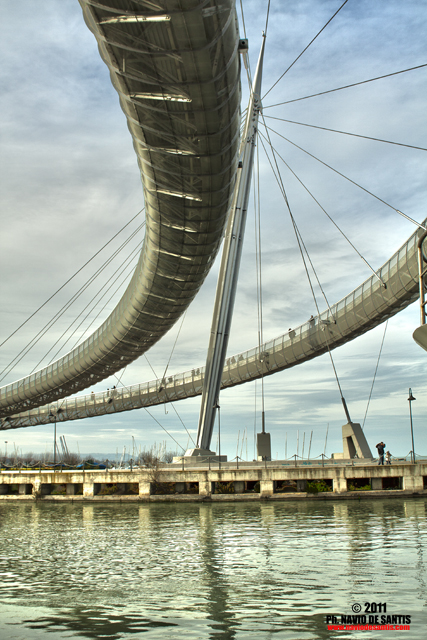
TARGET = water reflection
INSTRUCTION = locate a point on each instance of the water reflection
(95, 623)
(214, 577)
(225, 571)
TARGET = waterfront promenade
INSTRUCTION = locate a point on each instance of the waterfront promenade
(233, 481)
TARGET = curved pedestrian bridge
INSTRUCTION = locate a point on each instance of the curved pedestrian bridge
(177, 73)
(364, 308)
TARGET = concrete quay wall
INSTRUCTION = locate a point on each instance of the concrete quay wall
(255, 482)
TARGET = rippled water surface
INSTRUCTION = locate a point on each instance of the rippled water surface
(198, 571)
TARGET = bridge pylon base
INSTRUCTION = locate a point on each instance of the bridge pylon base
(263, 445)
(199, 452)
(354, 442)
(195, 456)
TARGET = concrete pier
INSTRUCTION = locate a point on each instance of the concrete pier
(277, 480)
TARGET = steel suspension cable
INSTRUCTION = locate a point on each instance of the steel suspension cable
(346, 133)
(247, 67)
(160, 425)
(258, 255)
(315, 301)
(125, 279)
(266, 19)
(126, 387)
(417, 224)
(243, 18)
(121, 376)
(123, 267)
(71, 278)
(76, 329)
(330, 218)
(171, 403)
(301, 244)
(302, 249)
(258, 265)
(65, 307)
(347, 86)
(298, 237)
(174, 345)
(304, 50)
(375, 374)
(151, 416)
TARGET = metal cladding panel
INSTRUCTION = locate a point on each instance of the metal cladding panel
(177, 72)
(366, 307)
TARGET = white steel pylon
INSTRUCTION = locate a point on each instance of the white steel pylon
(229, 271)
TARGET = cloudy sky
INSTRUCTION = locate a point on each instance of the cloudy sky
(70, 182)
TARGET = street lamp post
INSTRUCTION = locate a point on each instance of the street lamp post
(5, 455)
(410, 400)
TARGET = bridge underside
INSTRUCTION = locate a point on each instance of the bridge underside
(177, 73)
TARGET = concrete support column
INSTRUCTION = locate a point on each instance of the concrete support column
(179, 487)
(302, 486)
(144, 489)
(71, 489)
(376, 484)
(266, 488)
(413, 483)
(36, 487)
(88, 490)
(205, 488)
(339, 484)
(24, 489)
(239, 486)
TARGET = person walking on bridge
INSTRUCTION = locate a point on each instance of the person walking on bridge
(380, 448)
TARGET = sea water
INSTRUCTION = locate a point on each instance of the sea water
(199, 570)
